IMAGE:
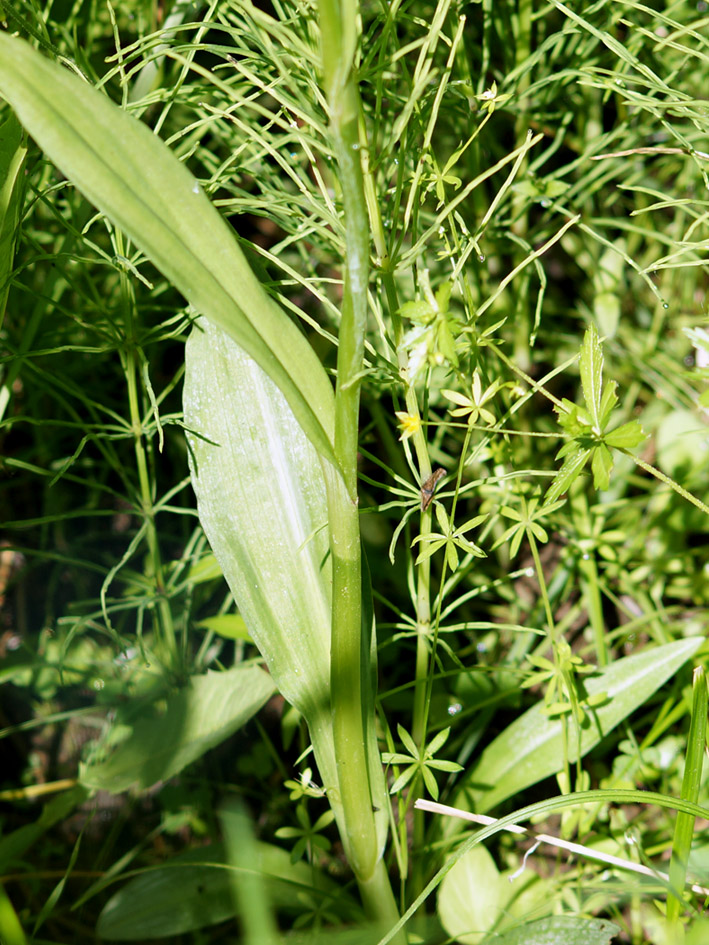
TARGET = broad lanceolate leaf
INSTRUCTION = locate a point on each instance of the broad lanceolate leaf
(196, 718)
(531, 748)
(133, 177)
(262, 501)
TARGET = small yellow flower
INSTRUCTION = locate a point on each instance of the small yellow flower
(408, 424)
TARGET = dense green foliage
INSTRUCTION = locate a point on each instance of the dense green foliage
(532, 455)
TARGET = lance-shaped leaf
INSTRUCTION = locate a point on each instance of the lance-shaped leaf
(133, 177)
(531, 748)
(262, 502)
(196, 718)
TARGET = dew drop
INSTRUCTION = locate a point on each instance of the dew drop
(481, 257)
(545, 202)
(665, 305)
(195, 188)
(455, 708)
(586, 556)
(355, 147)
(396, 161)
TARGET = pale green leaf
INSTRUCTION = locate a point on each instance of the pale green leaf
(471, 897)
(230, 626)
(262, 502)
(403, 779)
(132, 176)
(438, 741)
(450, 766)
(571, 469)
(591, 367)
(407, 741)
(627, 436)
(430, 782)
(602, 465)
(531, 748)
(196, 718)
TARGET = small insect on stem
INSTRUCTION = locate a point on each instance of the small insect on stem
(429, 487)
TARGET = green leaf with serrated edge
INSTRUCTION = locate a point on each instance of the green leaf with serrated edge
(431, 548)
(602, 465)
(451, 766)
(261, 499)
(567, 474)
(591, 368)
(531, 748)
(627, 436)
(197, 717)
(451, 556)
(132, 176)
(608, 402)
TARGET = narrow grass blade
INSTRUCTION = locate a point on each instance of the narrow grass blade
(249, 891)
(684, 825)
(13, 151)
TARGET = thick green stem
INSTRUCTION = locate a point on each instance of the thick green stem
(348, 661)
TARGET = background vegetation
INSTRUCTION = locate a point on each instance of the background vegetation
(535, 177)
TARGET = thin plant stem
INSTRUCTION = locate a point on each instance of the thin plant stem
(132, 369)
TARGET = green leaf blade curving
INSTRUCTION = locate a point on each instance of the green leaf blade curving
(531, 748)
(132, 176)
